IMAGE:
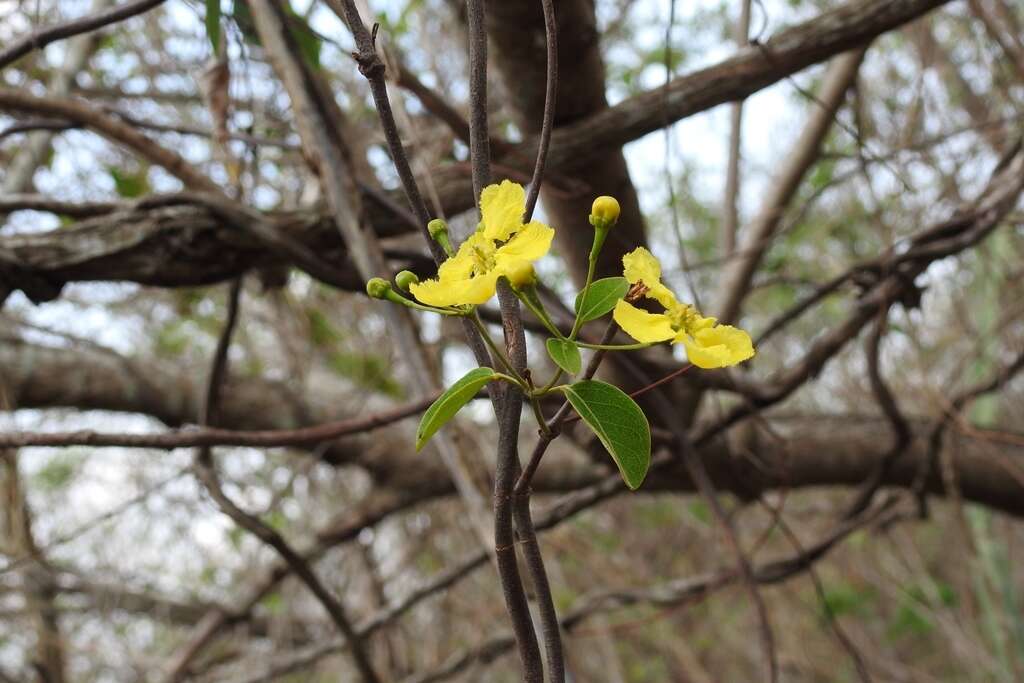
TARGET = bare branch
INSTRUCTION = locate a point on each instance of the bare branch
(37, 40)
(95, 119)
(739, 271)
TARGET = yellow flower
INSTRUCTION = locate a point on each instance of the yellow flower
(501, 246)
(708, 345)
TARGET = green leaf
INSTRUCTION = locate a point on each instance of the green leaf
(565, 354)
(619, 424)
(450, 402)
(213, 24)
(601, 297)
(308, 41)
(129, 185)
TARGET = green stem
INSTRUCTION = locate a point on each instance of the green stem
(495, 351)
(538, 415)
(540, 313)
(397, 298)
(591, 266)
(547, 387)
(511, 380)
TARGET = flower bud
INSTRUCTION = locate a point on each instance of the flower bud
(406, 279)
(521, 274)
(604, 212)
(378, 288)
(438, 230)
(436, 227)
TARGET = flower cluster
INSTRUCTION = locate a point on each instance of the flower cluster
(501, 246)
(504, 248)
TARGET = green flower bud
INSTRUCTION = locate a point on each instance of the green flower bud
(406, 279)
(438, 230)
(604, 212)
(436, 227)
(378, 288)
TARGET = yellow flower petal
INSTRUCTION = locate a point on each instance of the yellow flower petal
(501, 209)
(460, 266)
(529, 244)
(645, 327)
(475, 290)
(718, 347)
(641, 266)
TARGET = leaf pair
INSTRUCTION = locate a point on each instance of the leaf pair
(599, 299)
(615, 418)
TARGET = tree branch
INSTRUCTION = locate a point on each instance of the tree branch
(37, 40)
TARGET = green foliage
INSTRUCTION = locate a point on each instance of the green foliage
(306, 39)
(273, 603)
(57, 472)
(450, 402)
(619, 424)
(565, 354)
(322, 331)
(129, 185)
(601, 297)
(367, 370)
(171, 340)
(401, 25)
(213, 24)
(847, 598)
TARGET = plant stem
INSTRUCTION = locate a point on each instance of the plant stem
(496, 352)
(539, 312)
(591, 267)
(510, 406)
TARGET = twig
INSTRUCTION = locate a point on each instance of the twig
(37, 40)
(695, 466)
(730, 213)
(669, 594)
(530, 547)
(507, 466)
(891, 409)
(739, 272)
(550, 96)
(110, 127)
(205, 470)
(211, 436)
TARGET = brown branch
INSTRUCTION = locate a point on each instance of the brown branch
(207, 437)
(847, 26)
(739, 271)
(731, 79)
(509, 408)
(667, 595)
(377, 507)
(37, 40)
(119, 132)
(206, 472)
(890, 408)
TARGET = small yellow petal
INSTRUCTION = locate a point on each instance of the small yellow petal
(460, 266)
(718, 347)
(641, 266)
(501, 209)
(645, 327)
(529, 244)
(475, 290)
